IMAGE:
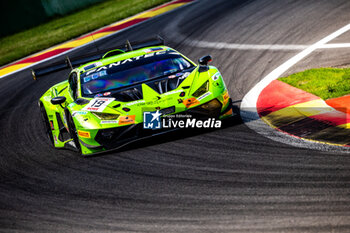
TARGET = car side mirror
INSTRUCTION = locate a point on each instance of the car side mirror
(58, 100)
(203, 61)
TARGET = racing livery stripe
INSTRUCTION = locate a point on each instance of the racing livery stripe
(100, 33)
(303, 115)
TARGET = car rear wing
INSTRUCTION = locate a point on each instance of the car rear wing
(94, 56)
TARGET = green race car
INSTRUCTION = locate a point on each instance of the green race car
(122, 97)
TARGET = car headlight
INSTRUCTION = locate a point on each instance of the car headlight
(211, 105)
(202, 89)
(216, 76)
(105, 116)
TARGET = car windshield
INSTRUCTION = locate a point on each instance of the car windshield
(132, 71)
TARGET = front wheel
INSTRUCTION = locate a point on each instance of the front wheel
(73, 131)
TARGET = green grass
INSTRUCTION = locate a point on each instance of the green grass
(65, 28)
(325, 83)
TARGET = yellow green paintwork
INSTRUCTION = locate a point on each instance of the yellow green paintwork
(87, 122)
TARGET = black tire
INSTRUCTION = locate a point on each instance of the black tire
(72, 130)
(46, 124)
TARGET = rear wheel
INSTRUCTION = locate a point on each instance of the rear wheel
(72, 130)
(46, 123)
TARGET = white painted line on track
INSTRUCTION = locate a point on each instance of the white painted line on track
(234, 46)
(335, 46)
(248, 109)
(223, 45)
(251, 98)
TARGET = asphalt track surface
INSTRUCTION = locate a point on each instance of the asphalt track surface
(227, 180)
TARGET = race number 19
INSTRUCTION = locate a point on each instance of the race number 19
(98, 104)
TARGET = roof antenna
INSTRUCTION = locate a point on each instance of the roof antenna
(33, 74)
(128, 45)
(69, 62)
(92, 36)
(161, 39)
